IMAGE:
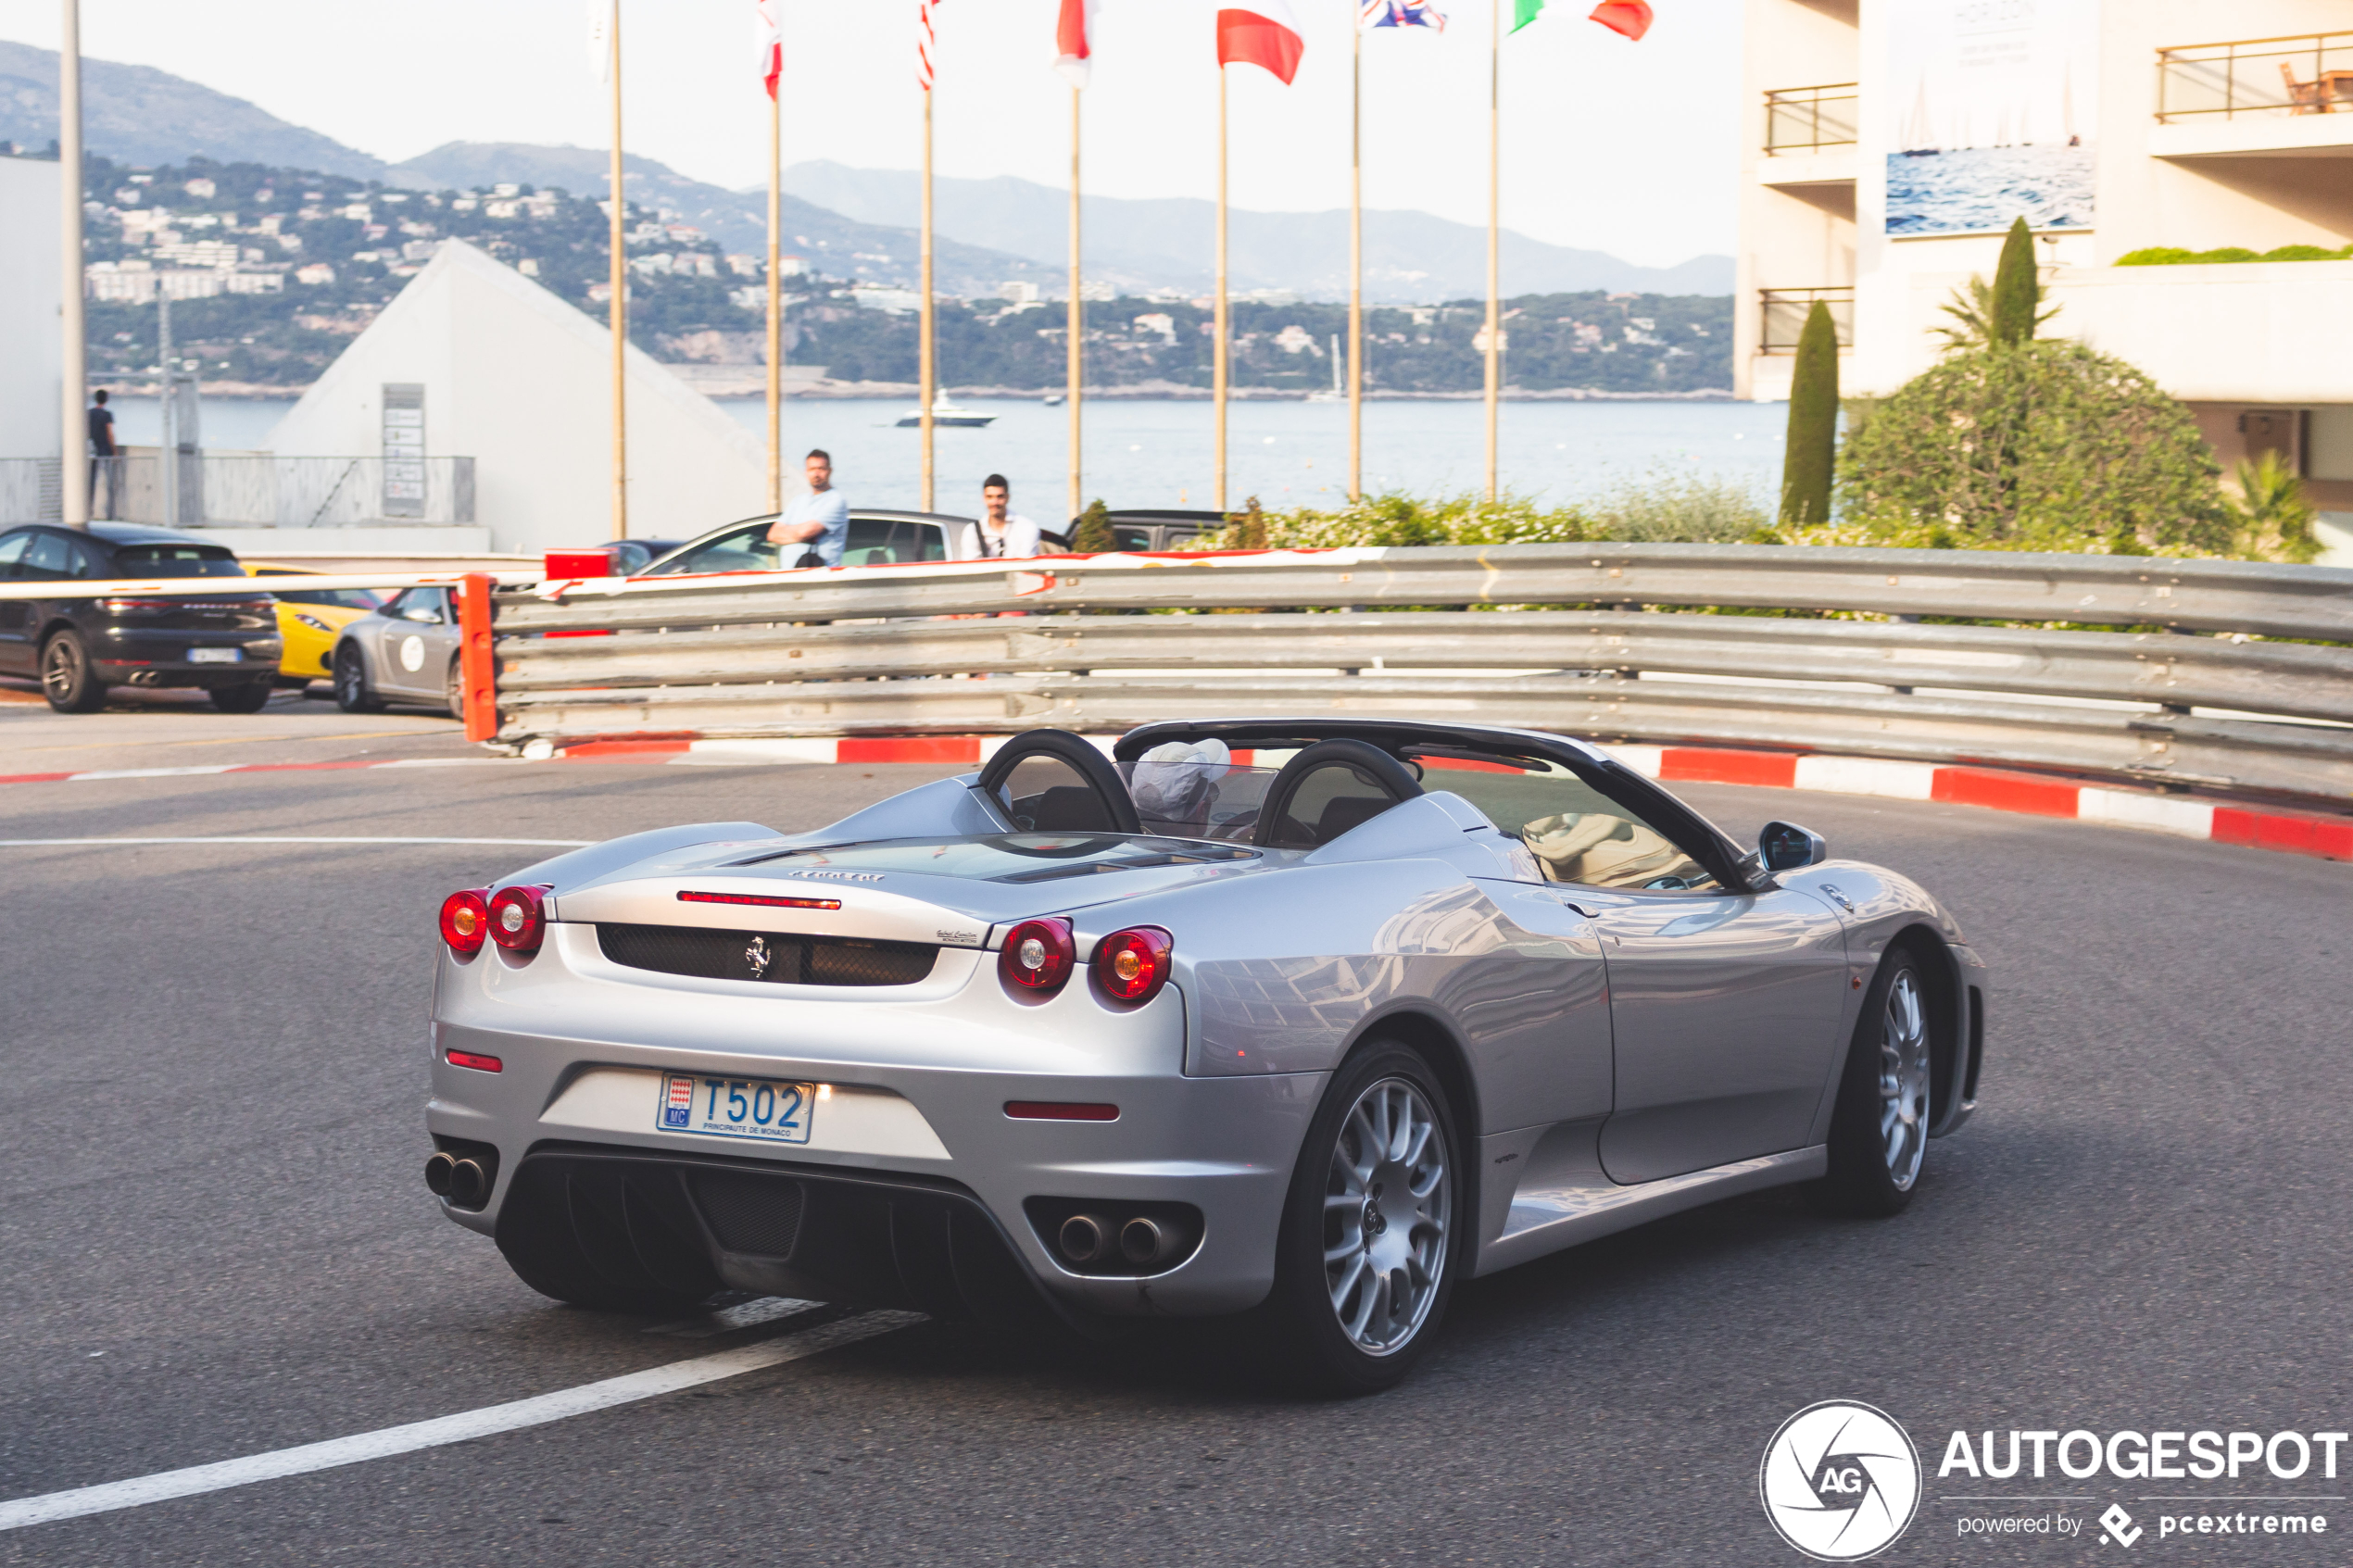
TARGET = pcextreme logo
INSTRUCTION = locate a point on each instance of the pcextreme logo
(1840, 1481)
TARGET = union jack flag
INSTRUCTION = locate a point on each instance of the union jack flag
(1401, 13)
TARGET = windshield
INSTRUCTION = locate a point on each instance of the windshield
(1193, 797)
(1012, 857)
(176, 561)
(338, 598)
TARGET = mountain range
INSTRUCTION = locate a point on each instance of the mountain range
(859, 223)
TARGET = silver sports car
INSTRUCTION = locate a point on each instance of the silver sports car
(1304, 1020)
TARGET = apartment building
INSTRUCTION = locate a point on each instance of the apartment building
(1891, 142)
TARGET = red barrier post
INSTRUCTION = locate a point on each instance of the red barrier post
(477, 667)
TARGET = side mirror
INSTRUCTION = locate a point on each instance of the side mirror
(1785, 847)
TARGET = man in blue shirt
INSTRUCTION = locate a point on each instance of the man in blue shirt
(819, 520)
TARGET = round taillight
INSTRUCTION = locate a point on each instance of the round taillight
(1132, 965)
(465, 921)
(1038, 955)
(516, 924)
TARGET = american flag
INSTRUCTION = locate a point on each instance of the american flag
(926, 40)
(1401, 13)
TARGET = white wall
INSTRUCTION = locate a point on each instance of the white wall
(31, 351)
(521, 382)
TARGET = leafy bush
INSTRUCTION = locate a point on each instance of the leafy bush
(1663, 507)
(2043, 446)
(2274, 519)
(2174, 255)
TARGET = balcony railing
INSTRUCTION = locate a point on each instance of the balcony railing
(1784, 312)
(252, 490)
(1804, 119)
(2309, 73)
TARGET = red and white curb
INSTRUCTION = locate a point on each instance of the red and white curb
(2316, 834)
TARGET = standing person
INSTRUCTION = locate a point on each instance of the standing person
(106, 457)
(1000, 535)
(819, 520)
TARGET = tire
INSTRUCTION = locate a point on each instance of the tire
(1878, 1130)
(457, 690)
(556, 1271)
(69, 679)
(351, 682)
(1360, 1291)
(246, 697)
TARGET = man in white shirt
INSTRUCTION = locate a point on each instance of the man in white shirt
(819, 520)
(999, 534)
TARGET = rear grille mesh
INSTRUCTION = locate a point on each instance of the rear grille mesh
(766, 955)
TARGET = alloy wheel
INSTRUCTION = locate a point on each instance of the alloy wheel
(1386, 1212)
(1903, 1081)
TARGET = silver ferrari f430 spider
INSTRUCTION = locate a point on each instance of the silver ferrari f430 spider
(1298, 1020)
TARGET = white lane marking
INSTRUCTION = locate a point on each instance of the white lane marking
(443, 1430)
(727, 1319)
(155, 773)
(536, 843)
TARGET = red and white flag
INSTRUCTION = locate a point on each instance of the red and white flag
(1073, 33)
(1262, 33)
(768, 35)
(926, 40)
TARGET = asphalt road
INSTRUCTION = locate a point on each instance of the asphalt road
(217, 1243)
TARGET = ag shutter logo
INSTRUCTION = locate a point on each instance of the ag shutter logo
(1840, 1481)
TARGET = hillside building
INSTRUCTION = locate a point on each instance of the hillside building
(1890, 143)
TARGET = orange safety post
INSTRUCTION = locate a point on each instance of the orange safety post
(477, 667)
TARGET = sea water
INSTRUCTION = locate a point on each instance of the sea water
(1145, 452)
(1158, 453)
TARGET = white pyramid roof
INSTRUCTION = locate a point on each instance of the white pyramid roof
(522, 382)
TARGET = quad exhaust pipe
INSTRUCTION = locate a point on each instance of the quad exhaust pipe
(463, 1182)
(1146, 1242)
(1087, 1238)
(1098, 1243)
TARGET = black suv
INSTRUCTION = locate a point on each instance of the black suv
(225, 642)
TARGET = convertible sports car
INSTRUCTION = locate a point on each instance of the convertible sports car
(1303, 1018)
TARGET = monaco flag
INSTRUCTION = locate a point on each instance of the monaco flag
(769, 38)
(1263, 33)
(1072, 31)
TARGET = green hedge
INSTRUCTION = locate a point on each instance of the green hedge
(2173, 256)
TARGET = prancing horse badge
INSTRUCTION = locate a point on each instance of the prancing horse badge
(758, 958)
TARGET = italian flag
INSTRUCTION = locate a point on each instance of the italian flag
(1631, 18)
(1263, 34)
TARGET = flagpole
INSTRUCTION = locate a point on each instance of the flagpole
(1078, 320)
(775, 302)
(1494, 207)
(73, 472)
(1356, 267)
(927, 373)
(620, 302)
(1217, 369)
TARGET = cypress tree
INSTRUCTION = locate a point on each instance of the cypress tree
(1812, 452)
(1094, 535)
(2016, 290)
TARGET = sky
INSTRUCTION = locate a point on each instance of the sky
(1608, 144)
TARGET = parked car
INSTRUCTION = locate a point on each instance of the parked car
(311, 621)
(630, 556)
(877, 538)
(1149, 530)
(1302, 1019)
(405, 651)
(225, 642)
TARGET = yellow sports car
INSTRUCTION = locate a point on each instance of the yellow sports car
(309, 620)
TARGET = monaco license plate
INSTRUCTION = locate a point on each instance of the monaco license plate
(735, 1108)
(216, 656)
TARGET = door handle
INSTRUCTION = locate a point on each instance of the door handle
(1580, 909)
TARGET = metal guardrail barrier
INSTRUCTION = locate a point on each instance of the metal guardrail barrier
(855, 651)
